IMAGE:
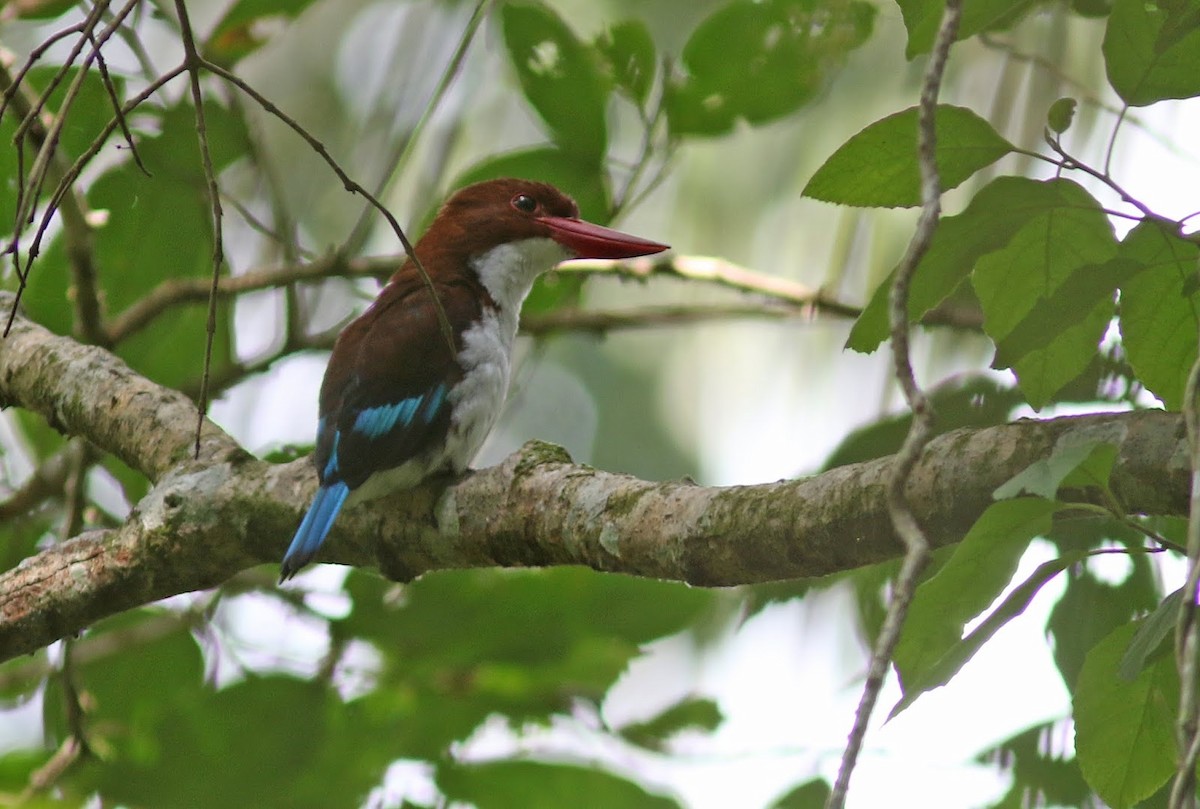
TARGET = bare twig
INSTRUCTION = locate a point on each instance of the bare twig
(650, 124)
(41, 779)
(65, 185)
(236, 372)
(31, 60)
(111, 89)
(1187, 628)
(129, 36)
(1070, 163)
(1112, 141)
(46, 481)
(77, 231)
(350, 185)
(916, 543)
(785, 298)
(395, 162)
(175, 291)
(191, 58)
(602, 321)
(715, 271)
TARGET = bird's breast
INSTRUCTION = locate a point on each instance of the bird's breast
(486, 359)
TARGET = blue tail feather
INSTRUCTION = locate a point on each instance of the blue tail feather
(313, 528)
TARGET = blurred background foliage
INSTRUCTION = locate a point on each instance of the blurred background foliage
(698, 122)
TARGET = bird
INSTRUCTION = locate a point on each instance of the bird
(413, 386)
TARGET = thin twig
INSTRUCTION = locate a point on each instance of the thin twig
(786, 298)
(87, 320)
(176, 291)
(46, 481)
(111, 89)
(665, 148)
(714, 271)
(394, 165)
(31, 60)
(68, 180)
(350, 185)
(77, 232)
(26, 202)
(1070, 163)
(191, 58)
(292, 252)
(604, 321)
(129, 36)
(916, 544)
(1187, 628)
(234, 373)
(1112, 140)
(44, 777)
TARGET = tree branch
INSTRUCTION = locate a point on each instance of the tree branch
(85, 390)
(204, 521)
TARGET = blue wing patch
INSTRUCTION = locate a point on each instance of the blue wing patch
(375, 422)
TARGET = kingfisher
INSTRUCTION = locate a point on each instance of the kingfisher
(414, 384)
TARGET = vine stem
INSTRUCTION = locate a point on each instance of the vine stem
(916, 555)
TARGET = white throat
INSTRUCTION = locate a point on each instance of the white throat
(508, 271)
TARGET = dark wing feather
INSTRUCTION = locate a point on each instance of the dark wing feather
(384, 399)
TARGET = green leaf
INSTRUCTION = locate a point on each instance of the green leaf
(236, 36)
(1158, 317)
(629, 50)
(1147, 641)
(453, 658)
(1040, 776)
(809, 795)
(1048, 250)
(1088, 290)
(164, 666)
(1014, 604)
(559, 77)
(991, 220)
(980, 568)
(41, 10)
(1152, 50)
(1071, 236)
(1043, 372)
(1061, 113)
(691, 714)
(1124, 731)
(922, 18)
(1090, 609)
(878, 166)
(1095, 470)
(760, 61)
(265, 740)
(540, 785)
(1043, 478)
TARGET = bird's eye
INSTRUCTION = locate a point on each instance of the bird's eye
(524, 202)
